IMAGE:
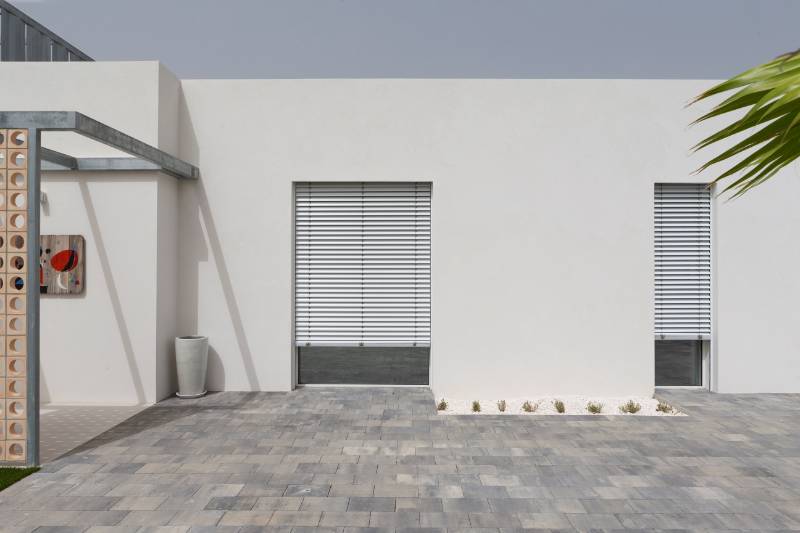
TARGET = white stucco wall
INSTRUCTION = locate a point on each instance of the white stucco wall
(542, 218)
(758, 288)
(100, 346)
(542, 228)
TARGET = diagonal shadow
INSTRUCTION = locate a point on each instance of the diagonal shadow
(227, 286)
(112, 291)
(208, 241)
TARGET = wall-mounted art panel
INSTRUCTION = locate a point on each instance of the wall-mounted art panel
(61, 264)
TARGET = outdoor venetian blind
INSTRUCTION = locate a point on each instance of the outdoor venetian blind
(683, 261)
(363, 264)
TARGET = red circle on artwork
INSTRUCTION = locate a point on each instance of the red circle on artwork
(64, 260)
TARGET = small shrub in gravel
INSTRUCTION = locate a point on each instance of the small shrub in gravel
(664, 407)
(501, 406)
(476, 406)
(529, 407)
(442, 405)
(560, 407)
(630, 407)
(594, 407)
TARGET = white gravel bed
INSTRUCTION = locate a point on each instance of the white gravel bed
(575, 405)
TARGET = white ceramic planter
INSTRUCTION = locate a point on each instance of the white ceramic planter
(191, 359)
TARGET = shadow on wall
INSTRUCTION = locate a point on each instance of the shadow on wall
(44, 390)
(96, 239)
(111, 287)
(199, 235)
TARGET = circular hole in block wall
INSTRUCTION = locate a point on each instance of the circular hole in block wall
(14, 387)
(14, 366)
(2, 199)
(16, 345)
(16, 303)
(15, 324)
(18, 200)
(18, 138)
(1, 283)
(17, 262)
(16, 408)
(18, 220)
(17, 283)
(15, 429)
(15, 450)
(1, 262)
(17, 241)
(2, 138)
(17, 179)
(16, 159)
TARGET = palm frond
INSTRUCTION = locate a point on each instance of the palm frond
(768, 99)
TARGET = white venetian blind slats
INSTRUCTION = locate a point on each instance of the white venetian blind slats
(362, 264)
(683, 261)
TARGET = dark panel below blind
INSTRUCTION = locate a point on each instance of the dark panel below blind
(679, 363)
(363, 365)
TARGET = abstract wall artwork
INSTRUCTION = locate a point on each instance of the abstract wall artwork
(13, 294)
(61, 264)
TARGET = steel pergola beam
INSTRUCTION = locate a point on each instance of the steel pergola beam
(97, 131)
(96, 164)
(62, 161)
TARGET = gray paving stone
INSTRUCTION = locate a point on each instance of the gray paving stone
(394, 520)
(431, 505)
(380, 460)
(361, 490)
(371, 504)
(493, 519)
(196, 518)
(295, 518)
(444, 520)
(147, 518)
(245, 518)
(231, 503)
(324, 504)
(587, 522)
(342, 519)
(465, 505)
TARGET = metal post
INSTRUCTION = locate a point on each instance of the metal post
(32, 309)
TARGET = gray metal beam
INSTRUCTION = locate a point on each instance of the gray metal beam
(97, 131)
(32, 311)
(91, 164)
(41, 120)
(67, 162)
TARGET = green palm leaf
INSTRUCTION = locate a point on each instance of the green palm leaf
(768, 99)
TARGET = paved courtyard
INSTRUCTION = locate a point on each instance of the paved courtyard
(63, 427)
(342, 460)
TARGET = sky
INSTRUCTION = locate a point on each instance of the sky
(684, 39)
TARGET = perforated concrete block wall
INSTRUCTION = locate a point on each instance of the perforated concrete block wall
(13, 286)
